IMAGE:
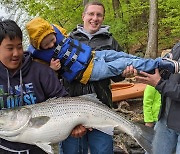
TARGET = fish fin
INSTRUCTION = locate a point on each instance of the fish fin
(39, 121)
(108, 130)
(146, 137)
(46, 147)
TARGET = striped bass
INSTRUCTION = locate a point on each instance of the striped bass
(52, 121)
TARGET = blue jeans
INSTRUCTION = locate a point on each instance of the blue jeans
(97, 142)
(166, 141)
(108, 63)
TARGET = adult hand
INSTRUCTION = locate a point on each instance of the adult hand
(130, 71)
(150, 79)
(78, 131)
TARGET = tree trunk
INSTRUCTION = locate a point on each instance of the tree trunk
(152, 46)
(85, 2)
(116, 6)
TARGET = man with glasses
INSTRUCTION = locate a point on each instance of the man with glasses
(96, 35)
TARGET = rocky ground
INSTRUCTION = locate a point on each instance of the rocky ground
(131, 110)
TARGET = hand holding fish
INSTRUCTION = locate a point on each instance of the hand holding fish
(78, 131)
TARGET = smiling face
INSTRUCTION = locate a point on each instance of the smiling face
(48, 42)
(93, 18)
(11, 53)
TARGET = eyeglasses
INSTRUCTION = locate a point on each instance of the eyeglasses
(92, 14)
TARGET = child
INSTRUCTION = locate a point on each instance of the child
(78, 61)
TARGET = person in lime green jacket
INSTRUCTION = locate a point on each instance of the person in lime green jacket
(151, 105)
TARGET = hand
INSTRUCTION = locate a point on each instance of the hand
(150, 79)
(149, 124)
(130, 71)
(78, 131)
(55, 64)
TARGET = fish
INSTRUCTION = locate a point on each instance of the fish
(52, 121)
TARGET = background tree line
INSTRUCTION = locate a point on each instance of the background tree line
(128, 18)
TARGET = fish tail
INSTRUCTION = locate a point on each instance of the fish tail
(144, 136)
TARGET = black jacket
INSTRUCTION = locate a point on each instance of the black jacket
(170, 91)
(102, 40)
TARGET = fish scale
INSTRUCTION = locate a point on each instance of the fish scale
(53, 120)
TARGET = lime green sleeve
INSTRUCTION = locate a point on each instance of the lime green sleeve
(151, 104)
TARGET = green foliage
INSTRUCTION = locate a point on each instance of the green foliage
(130, 27)
(169, 19)
(55, 11)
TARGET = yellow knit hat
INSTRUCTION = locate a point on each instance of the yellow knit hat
(37, 29)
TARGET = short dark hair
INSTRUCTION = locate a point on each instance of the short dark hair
(93, 3)
(9, 28)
